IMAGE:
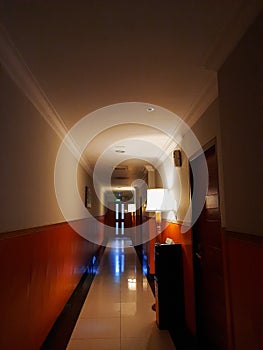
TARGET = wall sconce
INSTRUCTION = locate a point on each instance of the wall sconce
(177, 158)
(159, 200)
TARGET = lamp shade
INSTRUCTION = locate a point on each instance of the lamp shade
(159, 199)
(131, 208)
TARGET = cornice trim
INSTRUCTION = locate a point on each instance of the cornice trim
(231, 34)
(200, 105)
(14, 64)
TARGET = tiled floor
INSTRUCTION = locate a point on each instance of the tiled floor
(117, 313)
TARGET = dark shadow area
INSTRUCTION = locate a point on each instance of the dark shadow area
(61, 331)
(181, 337)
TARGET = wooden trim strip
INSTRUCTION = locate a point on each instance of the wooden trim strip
(244, 237)
(33, 230)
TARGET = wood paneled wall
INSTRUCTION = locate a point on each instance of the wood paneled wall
(243, 259)
(244, 254)
(40, 268)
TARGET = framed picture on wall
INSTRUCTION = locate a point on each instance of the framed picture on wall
(87, 197)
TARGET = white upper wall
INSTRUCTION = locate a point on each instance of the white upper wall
(28, 153)
(235, 120)
(240, 103)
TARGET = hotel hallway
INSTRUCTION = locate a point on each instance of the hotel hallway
(117, 312)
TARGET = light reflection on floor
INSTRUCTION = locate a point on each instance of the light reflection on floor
(117, 313)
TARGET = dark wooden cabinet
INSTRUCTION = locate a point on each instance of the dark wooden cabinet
(169, 286)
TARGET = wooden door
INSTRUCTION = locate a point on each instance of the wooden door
(208, 266)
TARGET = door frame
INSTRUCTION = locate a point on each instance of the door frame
(209, 145)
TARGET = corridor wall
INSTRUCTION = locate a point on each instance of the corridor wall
(235, 121)
(42, 259)
(40, 268)
(240, 105)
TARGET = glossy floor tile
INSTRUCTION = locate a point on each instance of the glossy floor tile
(117, 313)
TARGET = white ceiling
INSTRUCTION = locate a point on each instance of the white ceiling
(72, 58)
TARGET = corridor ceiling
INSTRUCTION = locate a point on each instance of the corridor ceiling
(72, 58)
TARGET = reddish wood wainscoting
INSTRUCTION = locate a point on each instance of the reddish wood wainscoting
(243, 261)
(244, 254)
(40, 269)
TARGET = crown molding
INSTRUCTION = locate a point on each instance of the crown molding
(196, 110)
(207, 96)
(232, 33)
(14, 64)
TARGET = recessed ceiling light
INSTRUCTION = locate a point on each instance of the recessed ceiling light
(120, 149)
(150, 109)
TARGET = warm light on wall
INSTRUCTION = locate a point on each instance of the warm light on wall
(171, 217)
